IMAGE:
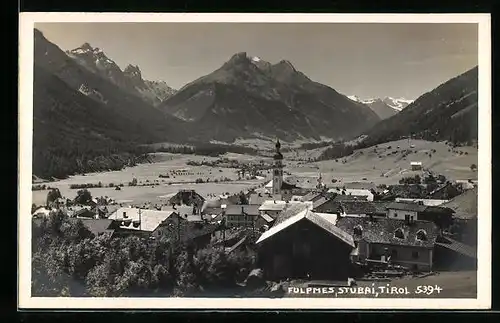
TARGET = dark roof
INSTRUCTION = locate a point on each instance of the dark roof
(287, 186)
(322, 200)
(311, 196)
(352, 207)
(381, 230)
(459, 247)
(464, 205)
(438, 209)
(381, 206)
(96, 226)
(240, 209)
(407, 206)
(342, 197)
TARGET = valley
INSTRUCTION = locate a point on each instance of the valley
(383, 164)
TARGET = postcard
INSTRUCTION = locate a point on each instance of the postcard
(254, 161)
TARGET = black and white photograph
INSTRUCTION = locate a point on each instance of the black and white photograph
(254, 161)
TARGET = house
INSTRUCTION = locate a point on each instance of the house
(241, 215)
(404, 211)
(41, 212)
(85, 213)
(188, 198)
(450, 254)
(294, 247)
(416, 165)
(426, 202)
(408, 244)
(96, 226)
(444, 192)
(347, 208)
(353, 192)
(441, 216)
(340, 197)
(274, 208)
(465, 216)
(141, 222)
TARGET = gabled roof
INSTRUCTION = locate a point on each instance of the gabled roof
(288, 186)
(464, 205)
(413, 207)
(271, 205)
(96, 226)
(381, 230)
(312, 217)
(150, 219)
(459, 247)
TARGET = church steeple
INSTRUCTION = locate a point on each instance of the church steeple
(277, 171)
(278, 155)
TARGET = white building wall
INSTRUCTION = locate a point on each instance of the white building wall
(401, 214)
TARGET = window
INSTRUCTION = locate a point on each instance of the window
(358, 230)
(124, 214)
(399, 234)
(421, 235)
(415, 255)
(395, 214)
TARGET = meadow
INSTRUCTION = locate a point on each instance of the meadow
(382, 164)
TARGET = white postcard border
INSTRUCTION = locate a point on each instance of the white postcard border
(26, 51)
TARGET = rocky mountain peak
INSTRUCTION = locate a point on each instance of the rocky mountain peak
(132, 71)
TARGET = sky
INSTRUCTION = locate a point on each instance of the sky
(367, 60)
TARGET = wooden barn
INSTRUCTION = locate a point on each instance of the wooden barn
(305, 245)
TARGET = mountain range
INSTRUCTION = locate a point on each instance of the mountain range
(80, 115)
(130, 79)
(449, 112)
(87, 109)
(384, 107)
(248, 97)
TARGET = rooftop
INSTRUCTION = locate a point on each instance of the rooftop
(139, 219)
(381, 230)
(323, 222)
(464, 205)
(240, 209)
(413, 207)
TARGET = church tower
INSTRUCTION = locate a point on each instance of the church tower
(277, 171)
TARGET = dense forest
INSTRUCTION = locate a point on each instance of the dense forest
(68, 260)
(336, 150)
(207, 149)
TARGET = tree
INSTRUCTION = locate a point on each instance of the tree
(473, 167)
(83, 197)
(53, 195)
(243, 199)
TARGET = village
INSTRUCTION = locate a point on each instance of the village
(319, 236)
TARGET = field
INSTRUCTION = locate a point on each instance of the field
(182, 176)
(459, 284)
(386, 163)
(383, 164)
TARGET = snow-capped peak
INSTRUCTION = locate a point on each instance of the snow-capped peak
(395, 103)
(256, 59)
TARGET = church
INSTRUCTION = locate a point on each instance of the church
(281, 190)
